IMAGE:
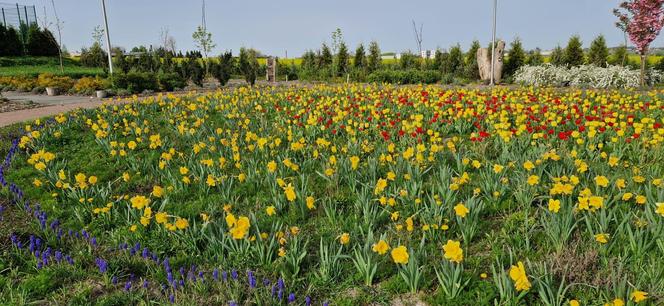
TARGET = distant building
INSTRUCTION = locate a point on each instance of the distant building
(428, 54)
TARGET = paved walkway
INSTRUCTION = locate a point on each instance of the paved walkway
(53, 105)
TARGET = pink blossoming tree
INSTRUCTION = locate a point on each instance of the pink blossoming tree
(643, 19)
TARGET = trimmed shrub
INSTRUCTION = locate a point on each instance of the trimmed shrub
(248, 65)
(136, 82)
(41, 42)
(170, 81)
(94, 57)
(223, 70)
(411, 76)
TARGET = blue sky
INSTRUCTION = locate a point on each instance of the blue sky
(297, 25)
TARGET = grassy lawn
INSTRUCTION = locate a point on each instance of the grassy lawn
(349, 194)
(33, 66)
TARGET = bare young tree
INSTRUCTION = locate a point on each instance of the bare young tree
(418, 36)
(204, 43)
(167, 41)
(58, 26)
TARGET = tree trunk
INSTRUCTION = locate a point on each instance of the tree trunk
(643, 70)
(624, 54)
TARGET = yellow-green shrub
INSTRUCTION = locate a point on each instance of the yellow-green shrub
(88, 84)
(50, 80)
(23, 83)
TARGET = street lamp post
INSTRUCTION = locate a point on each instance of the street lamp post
(108, 38)
(493, 43)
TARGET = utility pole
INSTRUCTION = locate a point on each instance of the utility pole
(108, 39)
(203, 23)
(493, 43)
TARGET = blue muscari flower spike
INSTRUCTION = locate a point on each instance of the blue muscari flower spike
(234, 274)
(127, 286)
(171, 298)
(145, 283)
(114, 280)
(224, 275)
(232, 303)
(14, 239)
(102, 265)
(307, 301)
(291, 298)
(215, 274)
(251, 279)
(326, 304)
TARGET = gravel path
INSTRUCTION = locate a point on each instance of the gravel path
(35, 113)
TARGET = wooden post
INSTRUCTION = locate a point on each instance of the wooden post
(271, 71)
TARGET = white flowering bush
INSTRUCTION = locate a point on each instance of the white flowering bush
(589, 76)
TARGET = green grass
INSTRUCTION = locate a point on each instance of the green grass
(33, 66)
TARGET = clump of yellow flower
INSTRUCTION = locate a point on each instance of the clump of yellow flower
(453, 251)
(400, 255)
(519, 276)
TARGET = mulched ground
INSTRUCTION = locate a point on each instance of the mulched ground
(10, 106)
